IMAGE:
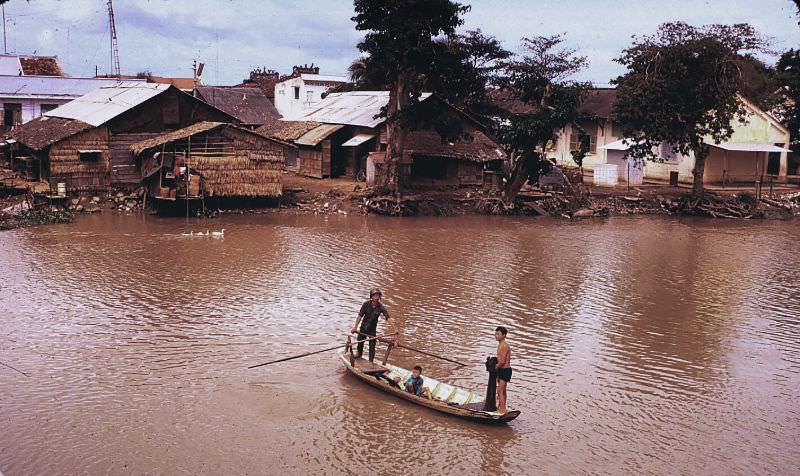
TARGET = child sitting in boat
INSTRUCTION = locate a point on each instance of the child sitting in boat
(413, 384)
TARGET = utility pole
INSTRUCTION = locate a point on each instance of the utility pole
(5, 44)
(115, 70)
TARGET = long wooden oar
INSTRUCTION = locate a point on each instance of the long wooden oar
(317, 351)
(430, 354)
(14, 369)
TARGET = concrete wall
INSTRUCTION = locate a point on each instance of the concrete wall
(31, 108)
(730, 166)
(310, 95)
(604, 131)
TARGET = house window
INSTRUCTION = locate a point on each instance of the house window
(90, 155)
(297, 92)
(12, 114)
(47, 108)
(583, 141)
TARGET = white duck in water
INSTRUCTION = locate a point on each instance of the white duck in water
(218, 234)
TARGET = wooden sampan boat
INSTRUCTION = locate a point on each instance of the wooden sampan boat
(445, 398)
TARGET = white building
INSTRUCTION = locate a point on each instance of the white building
(295, 95)
(24, 98)
(756, 151)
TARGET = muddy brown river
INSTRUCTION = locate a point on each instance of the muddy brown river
(640, 345)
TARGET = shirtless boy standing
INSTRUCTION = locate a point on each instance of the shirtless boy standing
(503, 367)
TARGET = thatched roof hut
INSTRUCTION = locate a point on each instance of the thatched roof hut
(232, 161)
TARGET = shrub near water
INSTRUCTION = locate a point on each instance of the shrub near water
(746, 197)
(34, 217)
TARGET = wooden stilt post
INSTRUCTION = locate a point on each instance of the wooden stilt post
(349, 348)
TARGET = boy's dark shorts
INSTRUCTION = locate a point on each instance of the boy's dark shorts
(504, 374)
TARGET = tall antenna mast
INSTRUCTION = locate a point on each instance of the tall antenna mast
(114, 50)
(5, 44)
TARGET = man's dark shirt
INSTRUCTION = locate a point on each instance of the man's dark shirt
(371, 314)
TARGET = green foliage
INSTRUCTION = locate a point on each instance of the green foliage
(399, 47)
(465, 66)
(746, 197)
(681, 85)
(788, 76)
(541, 79)
(400, 38)
(759, 82)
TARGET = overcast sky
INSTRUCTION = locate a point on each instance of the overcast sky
(233, 36)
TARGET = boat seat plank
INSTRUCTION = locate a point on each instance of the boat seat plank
(368, 367)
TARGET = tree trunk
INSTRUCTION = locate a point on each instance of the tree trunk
(395, 133)
(520, 172)
(700, 154)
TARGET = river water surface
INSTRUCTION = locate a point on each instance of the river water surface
(640, 345)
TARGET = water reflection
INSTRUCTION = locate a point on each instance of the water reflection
(641, 345)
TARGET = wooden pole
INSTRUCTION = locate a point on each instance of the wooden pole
(14, 369)
(403, 346)
(316, 351)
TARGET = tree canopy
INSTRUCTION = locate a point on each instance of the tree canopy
(398, 48)
(541, 78)
(788, 76)
(681, 86)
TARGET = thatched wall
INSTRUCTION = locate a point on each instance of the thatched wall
(66, 166)
(233, 162)
(255, 169)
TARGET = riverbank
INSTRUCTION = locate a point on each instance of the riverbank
(303, 195)
(346, 197)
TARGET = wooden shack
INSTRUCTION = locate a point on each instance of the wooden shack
(313, 149)
(210, 159)
(86, 142)
(345, 135)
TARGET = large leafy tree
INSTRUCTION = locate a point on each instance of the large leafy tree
(681, 87)
(466, 65)
(463, 67)
(399, 46)
(788, 76)
(541, 79)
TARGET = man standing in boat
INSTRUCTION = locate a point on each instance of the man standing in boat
(503, 367)
(368, 317)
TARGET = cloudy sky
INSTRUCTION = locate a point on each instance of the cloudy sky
(233, 36)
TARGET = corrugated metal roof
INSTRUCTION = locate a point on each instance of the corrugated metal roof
(105, 103)
(749, 147)
(10, 65)
(356, 108)
(358, 139)
(318, 134)
(50, 86)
